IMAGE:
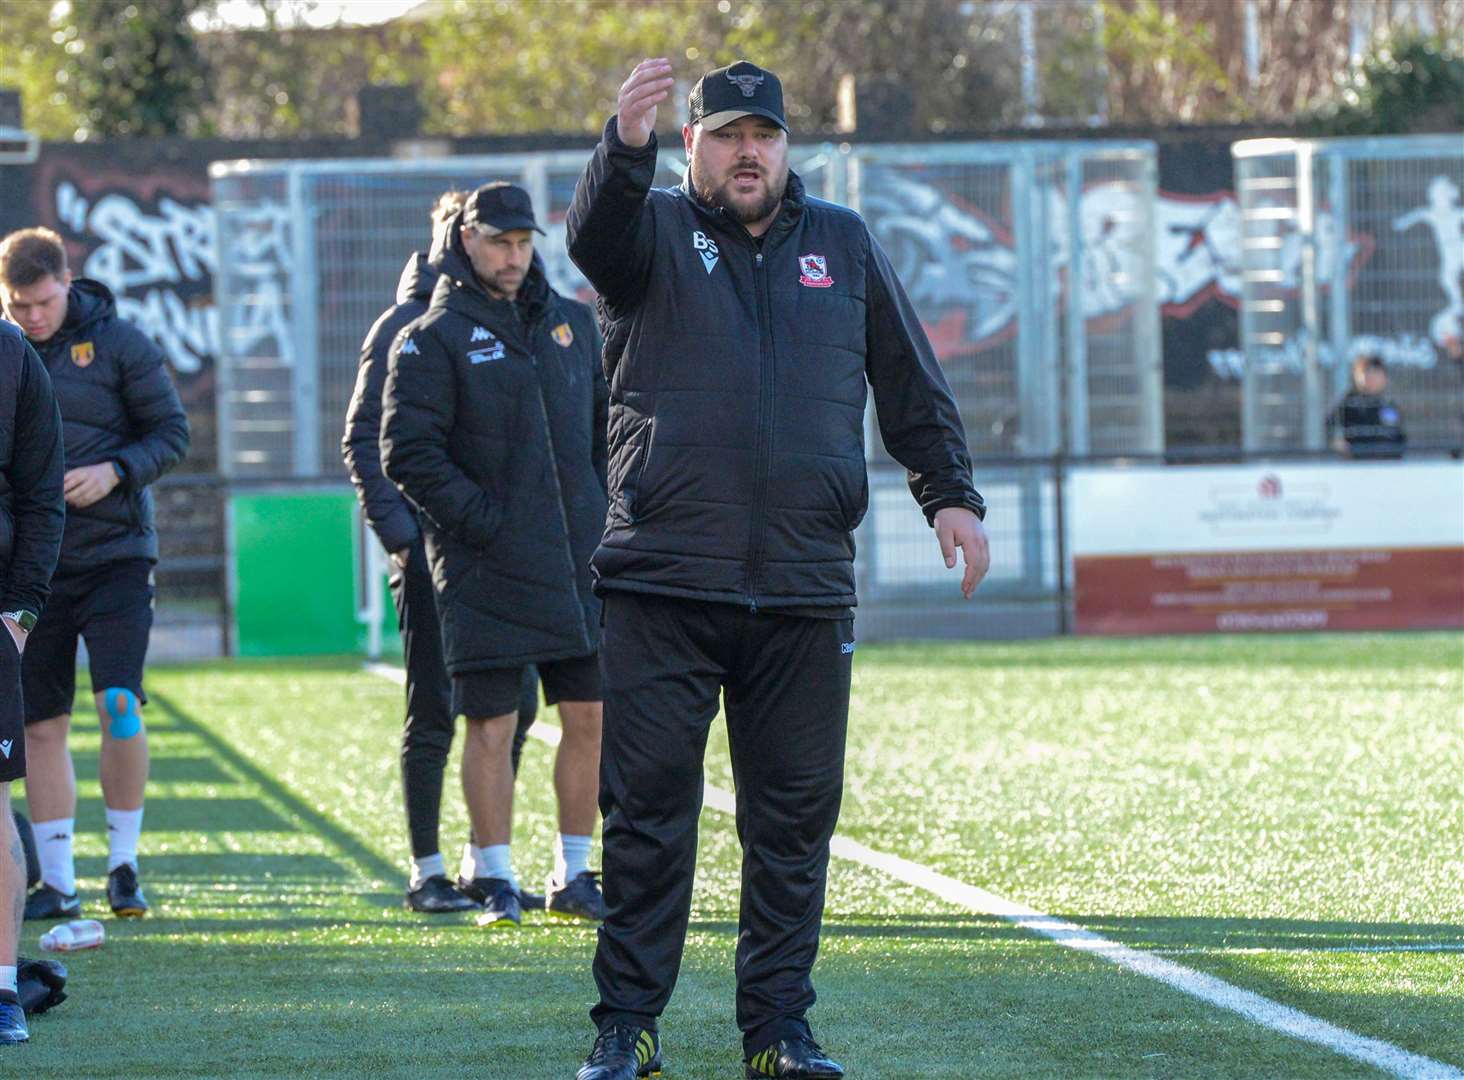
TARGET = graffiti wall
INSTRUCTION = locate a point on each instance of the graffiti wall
(148, 236)
(137, 217)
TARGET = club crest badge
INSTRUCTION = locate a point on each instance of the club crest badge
(563, 336)
(814, 272)
(83, 353)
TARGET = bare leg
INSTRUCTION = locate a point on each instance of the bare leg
(488, 778)
(577, 766)
(50, 782)
(124, 765)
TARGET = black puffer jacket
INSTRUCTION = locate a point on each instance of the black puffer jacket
(117, 404)
(493, 423)
(388, 513)
(32, 511)
(737, 371)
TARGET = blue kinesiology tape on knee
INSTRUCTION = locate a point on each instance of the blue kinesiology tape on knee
(124, 714)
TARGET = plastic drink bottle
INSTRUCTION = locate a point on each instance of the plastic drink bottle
(77, 934)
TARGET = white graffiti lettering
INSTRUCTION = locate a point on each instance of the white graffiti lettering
(160, 266)
(1405, 351)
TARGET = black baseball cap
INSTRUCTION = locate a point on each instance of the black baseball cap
(498, 207)
(740, 89)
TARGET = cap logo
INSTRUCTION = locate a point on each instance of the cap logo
(748, 84)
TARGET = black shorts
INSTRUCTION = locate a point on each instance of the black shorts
(12, 711)
(482, 695)
(111, 607)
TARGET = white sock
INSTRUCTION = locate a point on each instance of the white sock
(571, 857)
(53, 845)
(468, 865)
(427, 866)
(7, 979)
(124, 829)
(495, 861)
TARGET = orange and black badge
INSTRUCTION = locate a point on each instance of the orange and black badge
(83, 354)
(563, 335)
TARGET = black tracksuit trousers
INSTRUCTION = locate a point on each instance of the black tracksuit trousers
(786, 684)
(427, 734)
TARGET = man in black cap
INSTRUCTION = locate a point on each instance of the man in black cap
(429, 727)
(744, 320)
(493, 424)
(32, 518)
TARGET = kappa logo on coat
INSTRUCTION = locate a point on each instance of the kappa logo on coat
(480, 334)
(496, 351)
(814, 272)
(83, 354)
(563, 336)
(706, 247)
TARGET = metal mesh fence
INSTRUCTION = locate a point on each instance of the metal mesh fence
(1352, 247)
(1027, 263)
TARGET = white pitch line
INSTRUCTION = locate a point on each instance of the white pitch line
(1262, 950)
(1252, 1006)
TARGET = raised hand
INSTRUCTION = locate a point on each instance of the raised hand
(649, 85)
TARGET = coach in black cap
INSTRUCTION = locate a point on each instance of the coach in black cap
(744, 321)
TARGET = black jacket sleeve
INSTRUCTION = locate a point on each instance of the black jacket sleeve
(153, 408)
(36, 469)
(917, 413)
(387, 511)
(418, 413)
(610, 234)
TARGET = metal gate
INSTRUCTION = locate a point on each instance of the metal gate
(1351, 247)
(1031, 266)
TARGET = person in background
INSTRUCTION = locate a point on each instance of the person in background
(122, 427)
(493, 423)
(1366, 423)
(32, 516)
(428, 731)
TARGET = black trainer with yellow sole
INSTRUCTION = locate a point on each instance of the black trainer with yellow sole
(580, 899)
(436, 896)
(124, 893)
(793, 1059)
(501, 907)
(623, 1052)
(46, 902)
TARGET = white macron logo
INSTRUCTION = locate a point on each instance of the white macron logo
(707, 249)
(479, 334)
(409, 348)
(5, 748)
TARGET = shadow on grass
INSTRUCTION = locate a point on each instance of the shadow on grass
(368, 861)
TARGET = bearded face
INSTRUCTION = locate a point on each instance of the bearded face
(741, 167)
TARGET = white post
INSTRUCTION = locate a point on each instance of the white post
(1031, 97)
(1252, 44)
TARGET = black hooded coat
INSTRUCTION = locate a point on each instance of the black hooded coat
(118, 405)
(493, 424)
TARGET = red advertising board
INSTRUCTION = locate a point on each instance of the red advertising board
(1377, 546)
(1270, 590)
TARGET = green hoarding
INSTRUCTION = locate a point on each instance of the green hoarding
(297, 573)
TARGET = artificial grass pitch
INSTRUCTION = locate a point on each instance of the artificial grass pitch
(1284, 813)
